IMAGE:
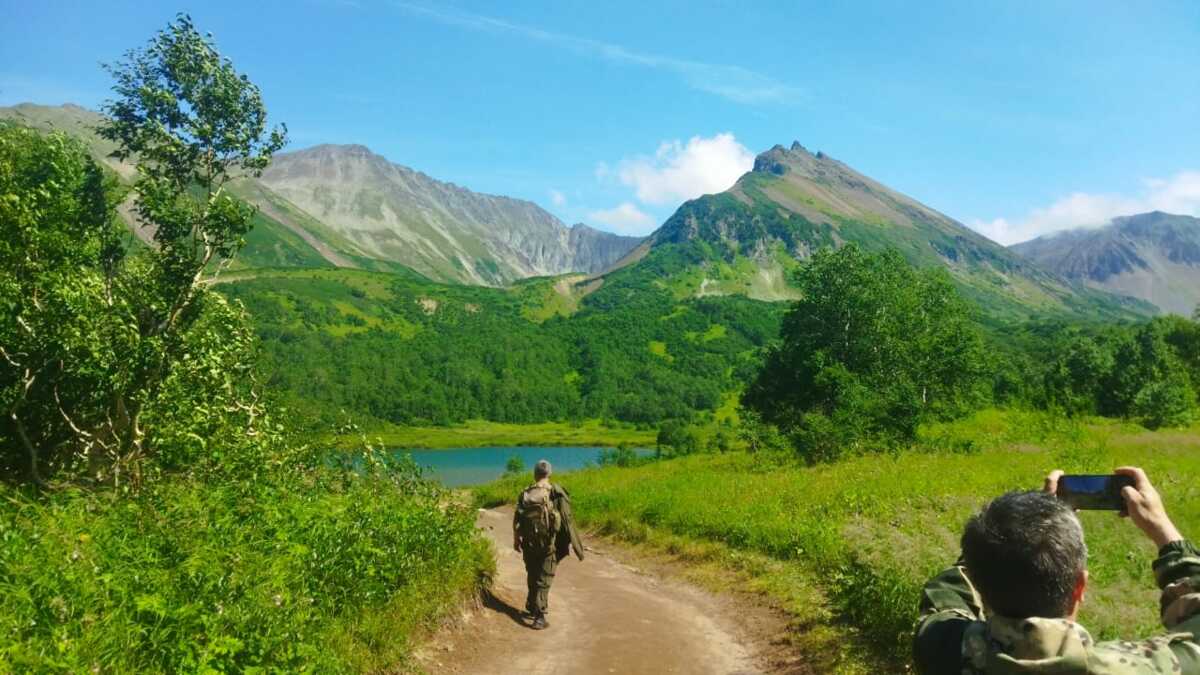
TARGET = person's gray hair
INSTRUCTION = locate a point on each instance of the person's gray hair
(541, 469)
(1025, 552)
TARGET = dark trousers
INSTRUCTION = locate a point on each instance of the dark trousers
(539, 574)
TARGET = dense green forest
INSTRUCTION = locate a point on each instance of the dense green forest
(404, 350)
(401, 349)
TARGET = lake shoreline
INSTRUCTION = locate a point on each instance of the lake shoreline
(473, 466)
(480, 433)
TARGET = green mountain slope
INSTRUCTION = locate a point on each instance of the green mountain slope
(746, 240)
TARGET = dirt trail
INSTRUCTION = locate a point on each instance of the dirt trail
(605, 617)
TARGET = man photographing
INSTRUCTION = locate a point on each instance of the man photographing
(1009, 605)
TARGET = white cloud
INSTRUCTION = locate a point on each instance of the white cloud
(1178, 194)
(735, 83)
(678, 172)
(557, 198)
(624, 219)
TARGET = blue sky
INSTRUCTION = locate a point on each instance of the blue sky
(1017, 118)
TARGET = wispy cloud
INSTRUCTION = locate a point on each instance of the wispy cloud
(557, 198)
(1179, 194)
(735, 83)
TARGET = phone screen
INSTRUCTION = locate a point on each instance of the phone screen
(1093, 492)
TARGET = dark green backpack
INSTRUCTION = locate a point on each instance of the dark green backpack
(538, 521)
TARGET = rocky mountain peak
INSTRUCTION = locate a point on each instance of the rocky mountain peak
(779, 160)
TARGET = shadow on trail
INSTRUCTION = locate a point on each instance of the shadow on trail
(496, 604)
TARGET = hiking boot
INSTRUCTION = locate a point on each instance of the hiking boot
(540, 623)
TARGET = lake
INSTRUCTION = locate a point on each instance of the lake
(456, 467)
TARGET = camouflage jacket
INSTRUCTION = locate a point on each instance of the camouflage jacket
(955, 636)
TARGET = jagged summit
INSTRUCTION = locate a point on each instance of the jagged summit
(348, 206)
(779, 160)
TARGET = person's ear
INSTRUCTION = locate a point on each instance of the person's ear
(1077, 596)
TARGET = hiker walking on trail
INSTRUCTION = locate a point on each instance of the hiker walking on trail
(544, 532)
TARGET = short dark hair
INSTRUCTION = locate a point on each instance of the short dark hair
(1024, 552)
(541, 469)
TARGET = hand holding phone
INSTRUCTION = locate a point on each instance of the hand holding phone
(1146, 508)
(1127, 491)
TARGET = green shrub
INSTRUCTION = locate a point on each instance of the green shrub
(623, 456)
(309, 568)
(1165, 403)
(514, 466)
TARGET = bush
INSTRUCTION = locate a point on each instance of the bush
(623, 456)
(1165, 403)
(676, 437)
(514, 466)
(313, 567)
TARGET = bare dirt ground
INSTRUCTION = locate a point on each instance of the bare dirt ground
(607, 616)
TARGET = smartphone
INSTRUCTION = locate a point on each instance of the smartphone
(1093, 492)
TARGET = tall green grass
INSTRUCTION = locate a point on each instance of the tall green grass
(328, 571)
(871, 530)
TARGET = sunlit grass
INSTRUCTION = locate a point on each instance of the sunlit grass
(871, 530)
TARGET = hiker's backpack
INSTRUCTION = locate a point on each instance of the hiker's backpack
(538, 521)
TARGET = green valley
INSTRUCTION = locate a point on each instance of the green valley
(217, 358)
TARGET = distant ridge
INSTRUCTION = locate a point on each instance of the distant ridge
(444, 231)
(346, 206)
(1152, 256)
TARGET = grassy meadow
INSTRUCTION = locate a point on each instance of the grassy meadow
(846, 547)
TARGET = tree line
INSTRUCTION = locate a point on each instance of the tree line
(875, 348)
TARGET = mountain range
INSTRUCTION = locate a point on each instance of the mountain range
(1153, 256)
(344, 206)
(746, 239)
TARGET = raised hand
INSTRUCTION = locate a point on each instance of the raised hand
(1145, 508)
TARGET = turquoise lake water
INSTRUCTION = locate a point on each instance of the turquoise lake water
(470, 466)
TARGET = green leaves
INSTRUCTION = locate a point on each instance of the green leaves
(873, 348)
(59, 241)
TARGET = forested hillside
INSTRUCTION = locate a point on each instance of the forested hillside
(405, 350)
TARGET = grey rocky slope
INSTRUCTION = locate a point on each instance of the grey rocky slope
(344, 206)
(444, 231)
(1152, 256)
